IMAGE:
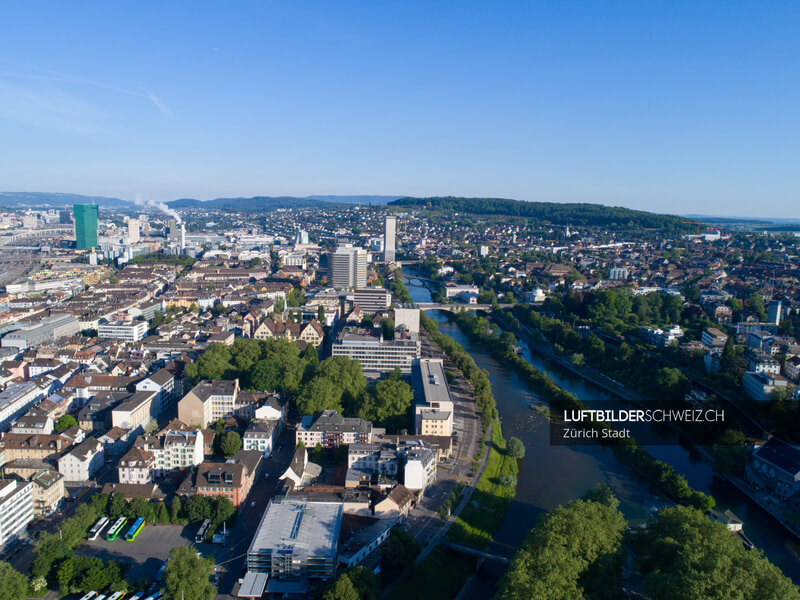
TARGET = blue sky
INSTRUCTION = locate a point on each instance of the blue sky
(683, 107)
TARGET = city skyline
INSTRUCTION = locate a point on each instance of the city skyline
(670, 109)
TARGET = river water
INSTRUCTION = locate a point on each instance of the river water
(551, 475)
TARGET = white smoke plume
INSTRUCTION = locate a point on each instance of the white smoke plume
(139, 200)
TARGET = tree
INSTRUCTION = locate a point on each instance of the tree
(157, 320)
(256, 262)
(197, 508)
(117, 506)
(245, 353)
(321, 315)
(65, 422)
(515, 448)
(175, 510)
(387, 325)
(231, 444)
(318, 454)
(366, 582)
(341, 589)
(574, 552)
(320, 394)
(398, 553)
(392, 399)
(603, 494)
(578, 359)
(15, 584)
(683, 555)
(186, 577)
(279, 305)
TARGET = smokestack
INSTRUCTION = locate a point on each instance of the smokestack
(183, 238)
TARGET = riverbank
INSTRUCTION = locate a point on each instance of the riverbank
(659, 473)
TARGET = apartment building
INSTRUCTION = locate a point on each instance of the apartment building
(82, 462)
(208, 402)
(332, 430)
(174, 449)
(134, 413)
(16, 399)
(136, 466)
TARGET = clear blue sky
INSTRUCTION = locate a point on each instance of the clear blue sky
(683, 107)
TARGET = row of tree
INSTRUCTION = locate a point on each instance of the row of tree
(578, 551)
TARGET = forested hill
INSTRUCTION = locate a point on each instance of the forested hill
(597, 215)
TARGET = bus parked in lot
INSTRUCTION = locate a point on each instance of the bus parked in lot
(116, 529)
(94, 532)
(137, 526)
(201, 533)
(116, 596)
(89, 595)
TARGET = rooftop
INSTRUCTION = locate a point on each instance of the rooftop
(302, 529)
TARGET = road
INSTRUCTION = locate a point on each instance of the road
(424, 521)
(230, 559)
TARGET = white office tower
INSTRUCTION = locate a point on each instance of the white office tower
(133, 230)
(347, 267)
(301, 239)
(389, 243)
(144, 225)
(183, 238)
(16, 508)
(774, 312)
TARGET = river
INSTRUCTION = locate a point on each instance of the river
(552, 475)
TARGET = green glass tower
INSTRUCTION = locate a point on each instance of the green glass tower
(85, 225)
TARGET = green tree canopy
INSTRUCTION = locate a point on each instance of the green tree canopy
(186, 576)
(231, 444)
(15, 584)
(65, 422)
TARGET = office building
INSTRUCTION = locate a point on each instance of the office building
(372, 300)
(375, 353)
(16, 508)
(133, 230)
(433, 405)
(389, 234)
(297, 540)
(618, 273)
(126, 331)
(85, 226)
(347, 267)
(774, 312)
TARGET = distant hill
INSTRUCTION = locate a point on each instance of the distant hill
(267, 203)
(56, 200)
(575, 214)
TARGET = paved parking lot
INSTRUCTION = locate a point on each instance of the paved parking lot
(146, 553)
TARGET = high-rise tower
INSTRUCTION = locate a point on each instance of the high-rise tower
(389, 246)
(85, 225)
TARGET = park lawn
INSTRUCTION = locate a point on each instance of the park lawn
(439, 575)
(487, 508)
